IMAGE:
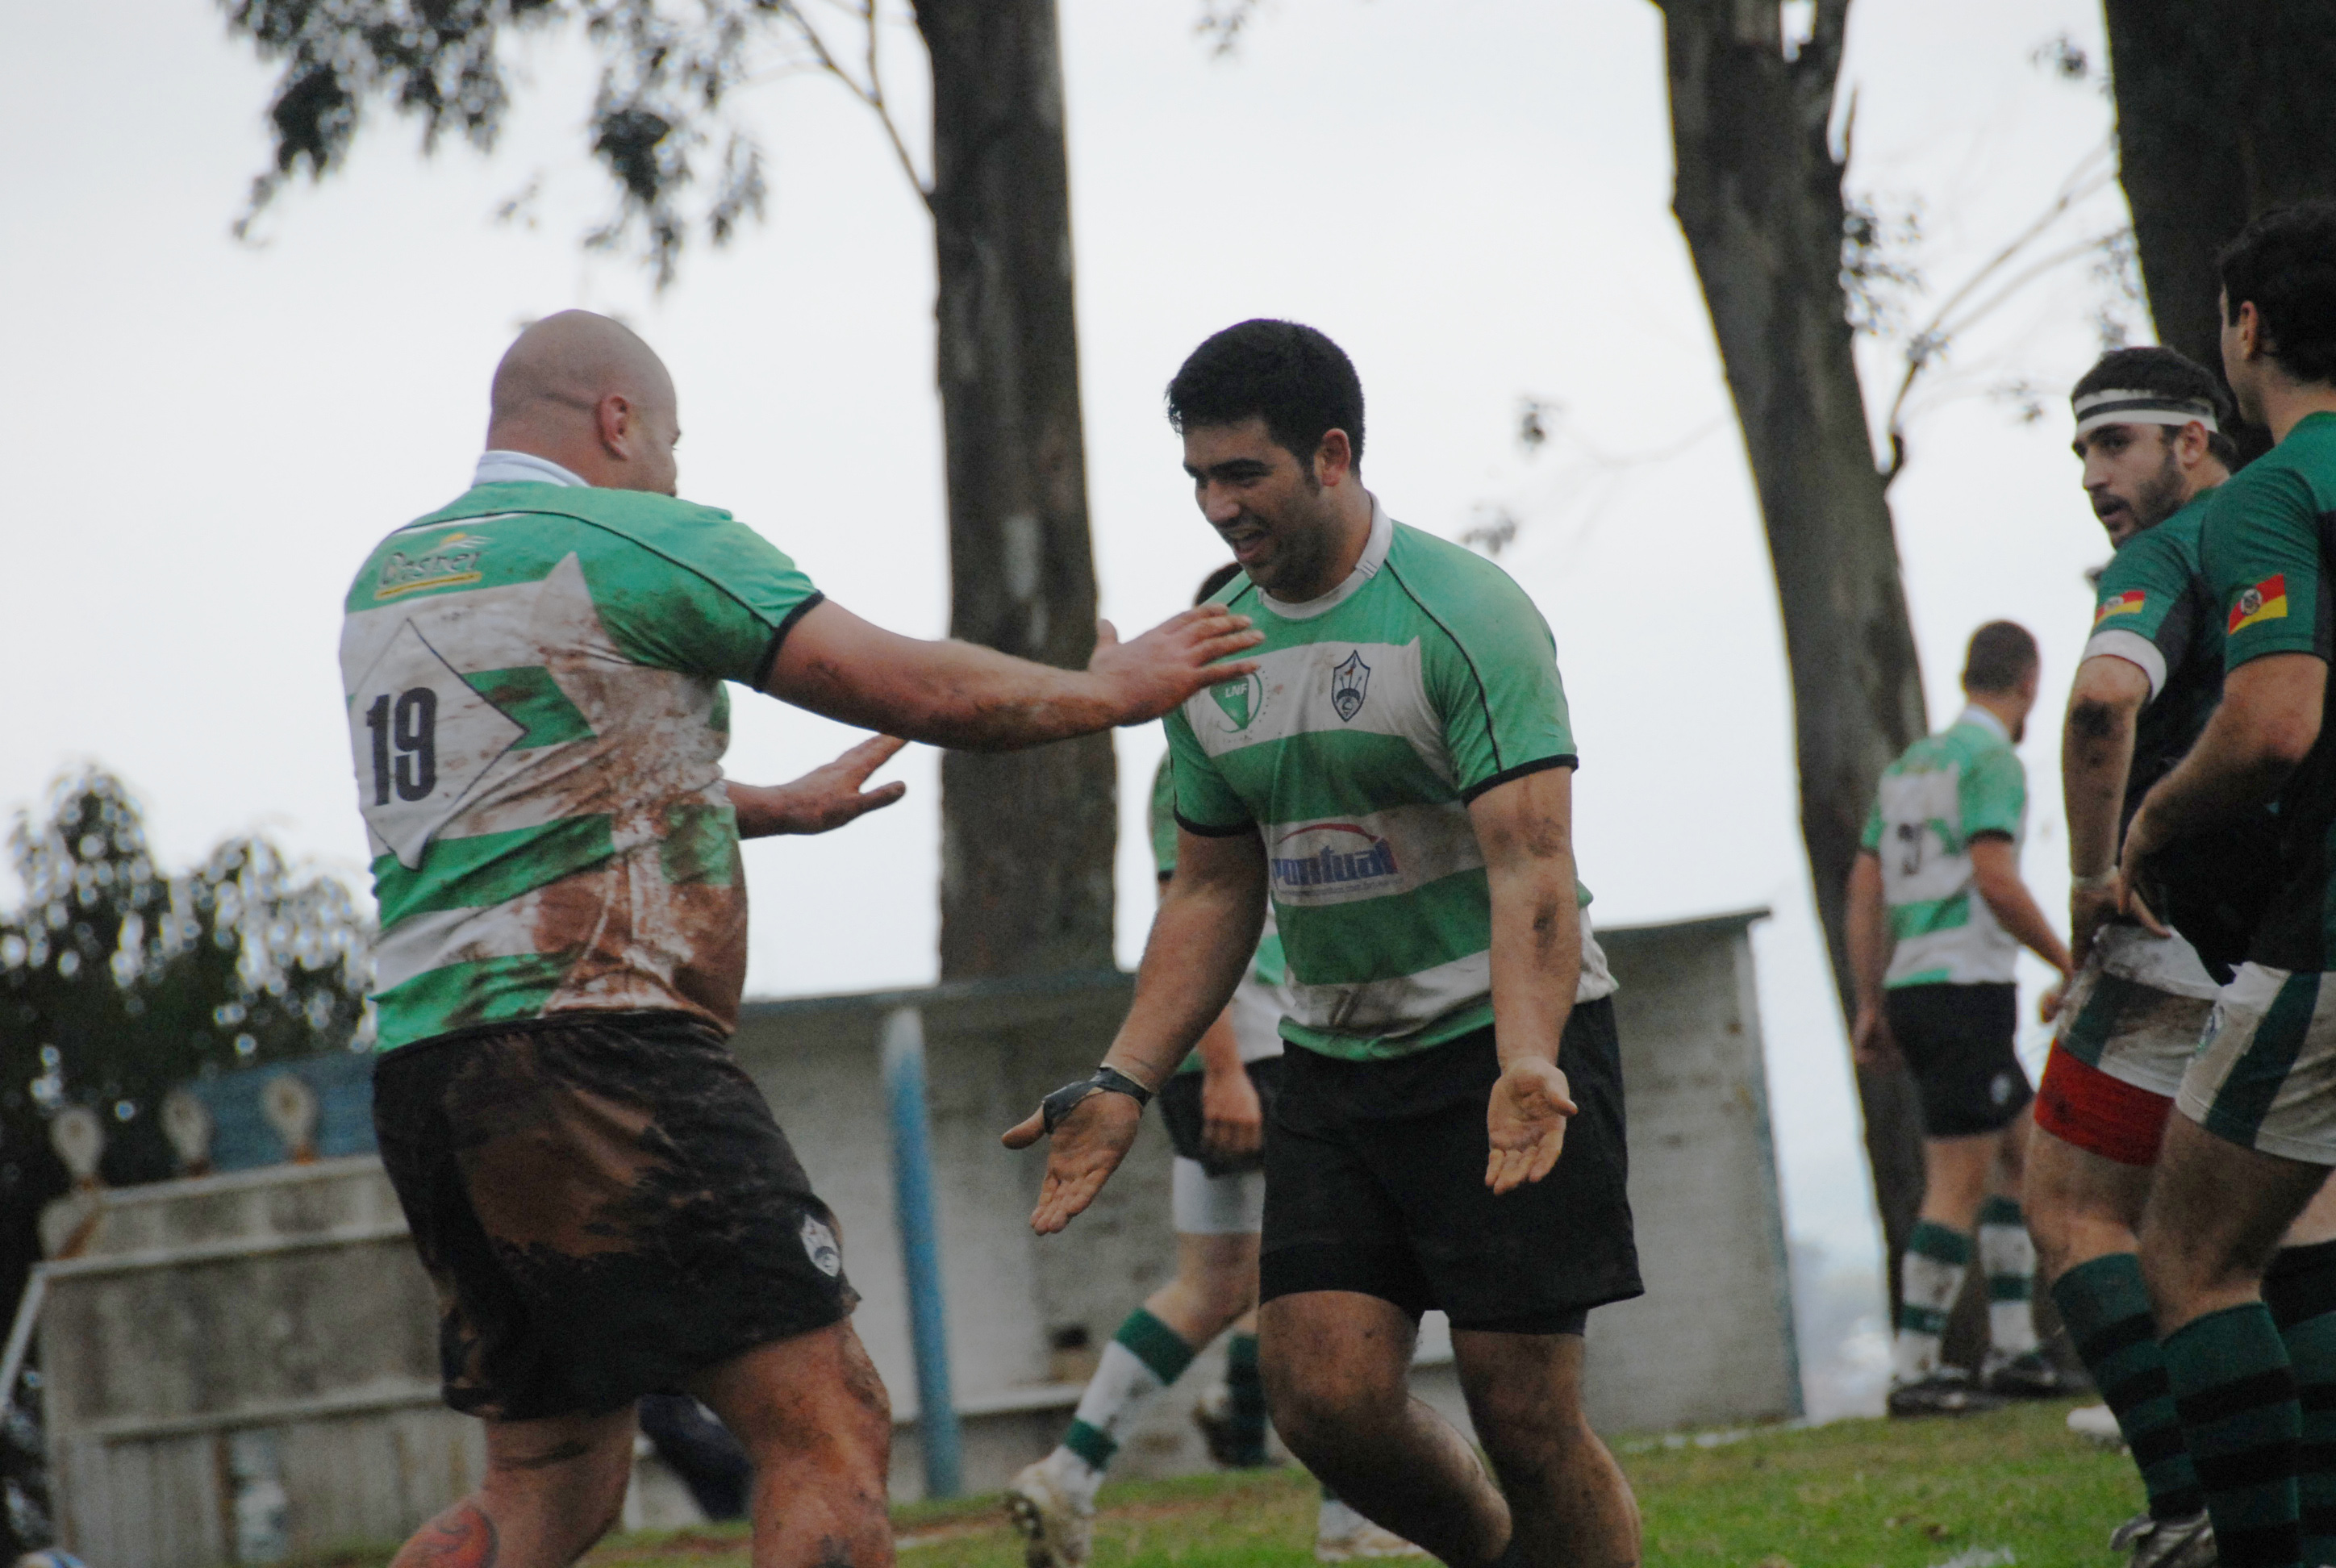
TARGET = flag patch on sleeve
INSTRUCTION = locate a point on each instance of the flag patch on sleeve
(2267, 600)
(2132, 602)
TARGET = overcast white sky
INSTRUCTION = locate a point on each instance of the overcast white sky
(203, 439)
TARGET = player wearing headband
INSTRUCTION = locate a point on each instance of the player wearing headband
(2251, 1360)
(1937, 917)
(2149, 433)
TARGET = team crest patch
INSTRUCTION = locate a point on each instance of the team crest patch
(2267, 600)
(1242, 699)
(1349, 684)
(820, 1246)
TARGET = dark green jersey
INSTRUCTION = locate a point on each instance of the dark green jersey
(2155, 610)
(2268, 536)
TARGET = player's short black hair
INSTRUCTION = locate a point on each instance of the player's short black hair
(2285, 261)
(2152, 368)
(1215, 580)
(1301, 383)
(2002, 655)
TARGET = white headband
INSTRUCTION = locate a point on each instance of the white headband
(2126, 406)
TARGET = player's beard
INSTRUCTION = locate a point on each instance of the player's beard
(2159, 496)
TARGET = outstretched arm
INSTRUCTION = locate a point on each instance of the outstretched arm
(1202, 939)
(974, 698)
(823, 799)
(1525, 830)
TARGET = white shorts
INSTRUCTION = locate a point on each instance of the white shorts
(1207, 1205)
(2265, 1074)
(2136, 1033)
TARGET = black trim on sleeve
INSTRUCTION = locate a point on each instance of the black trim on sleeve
(1483, 696)
(1989, 834)
(1469, 797)
(1206, 831)
(771, 654)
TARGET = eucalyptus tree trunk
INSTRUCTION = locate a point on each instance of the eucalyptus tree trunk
(2222, 112)
(1759, 197)
(1028, 837)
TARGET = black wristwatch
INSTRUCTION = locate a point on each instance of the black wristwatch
(1106, 1080)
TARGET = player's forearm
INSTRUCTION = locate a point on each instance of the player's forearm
(1866, 931)
(2016, 911)
(2096, 759)
(1537, 953)
(962, 695)
(1201, 941)
(2230, 770)
(1220, 1049)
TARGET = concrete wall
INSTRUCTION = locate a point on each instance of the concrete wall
(245, 1364)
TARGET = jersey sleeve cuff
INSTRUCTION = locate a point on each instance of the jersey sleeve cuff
(1563, 759)
(2134, 649)
(1213, 830)
(778, 638)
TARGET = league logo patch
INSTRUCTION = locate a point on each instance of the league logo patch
(1349, 684)
(820, 1246)
(2133, 601)
(2267, 600)
(1242, 699)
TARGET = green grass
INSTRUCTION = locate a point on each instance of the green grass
(1852, 1494)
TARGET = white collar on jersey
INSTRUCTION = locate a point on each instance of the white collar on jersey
(498, 467)
(1974, 714)
(1375, 554)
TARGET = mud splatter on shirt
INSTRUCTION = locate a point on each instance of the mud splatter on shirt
(537, 718)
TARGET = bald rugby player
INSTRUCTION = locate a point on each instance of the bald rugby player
(536, 709)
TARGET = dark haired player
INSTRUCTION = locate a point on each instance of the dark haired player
(1213, 1105)
(2250, 1360)
(1937, 917)
(1396, 778)
(537, 704)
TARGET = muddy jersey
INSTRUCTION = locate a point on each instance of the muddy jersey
(2269, 534)
(1947, 790)
(1257, 1004)
(536, 713)
(1377, 713)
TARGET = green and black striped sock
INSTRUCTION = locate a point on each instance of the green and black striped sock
(2236, 1393)
(2300, 1289)
(2106, 1309)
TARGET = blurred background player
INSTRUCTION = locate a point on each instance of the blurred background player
(1397, 779)
(2250, 1343)
(1214, 1108)
(1937, 916)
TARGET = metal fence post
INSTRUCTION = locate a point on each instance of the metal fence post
(921, 1247)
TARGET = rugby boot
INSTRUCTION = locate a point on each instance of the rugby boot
(1056, 1531)
(2184, 1543)
(2030, 1375)
(1947, 1391)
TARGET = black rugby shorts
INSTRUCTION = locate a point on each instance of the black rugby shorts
(1957, 1042)
(1375, 1183)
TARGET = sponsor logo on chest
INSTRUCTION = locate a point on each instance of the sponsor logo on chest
(448, 563)
(1341, 856)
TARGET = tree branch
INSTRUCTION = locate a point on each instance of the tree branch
(872, 93)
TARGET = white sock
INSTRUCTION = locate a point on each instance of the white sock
(2009, 1257)
(1141, 1361)
(1932, 1276)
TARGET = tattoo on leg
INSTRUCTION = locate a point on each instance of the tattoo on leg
(461, 1537)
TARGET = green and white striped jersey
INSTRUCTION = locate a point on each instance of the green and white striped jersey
(1257, 1002)
(537, 718)
(1377, 712)
(1945, 791)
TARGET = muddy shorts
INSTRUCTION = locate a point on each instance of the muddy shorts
(605, 1205)
(2265, 1074)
